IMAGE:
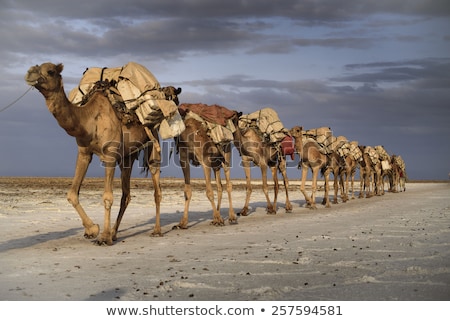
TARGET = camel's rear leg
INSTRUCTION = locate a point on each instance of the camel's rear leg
(248, 185)
(126, 196)
(106, 235)
(217, 219)
(184, 163)
(91, 230)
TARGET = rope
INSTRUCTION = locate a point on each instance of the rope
(15, 101)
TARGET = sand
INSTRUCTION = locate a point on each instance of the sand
(391, 247)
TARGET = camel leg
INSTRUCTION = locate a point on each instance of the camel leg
(106, 236)
(302, 186)
(361, 183)
(248, 185)
(276, 188)
(282, 168)
(269, 209)
(336, 187)
(217, 219)
(353, 184)
(126, 195)
(344, 190)
(155, 170)
(232, 218)
(219, 188)
(315, 173)
(91, 230)
(187, 188)
(326, 198)
(369, 183)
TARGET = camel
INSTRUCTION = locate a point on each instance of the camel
(348, 173)
(336, 166)
(195, 146)
(253, 148)
(314, 157)
(98, 130)
(395, 175)
(370, 175)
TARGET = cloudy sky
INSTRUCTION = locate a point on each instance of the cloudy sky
(375, 71)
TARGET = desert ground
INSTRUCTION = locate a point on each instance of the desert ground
(391, 247)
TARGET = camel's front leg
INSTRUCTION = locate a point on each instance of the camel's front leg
(302, 186)
(232, 218)
(269, 209)
(336, 187)
(106, 236)
(248, 185)
(326, 197)
(91, 230)
(276, 188)
(353, 184)
(282, 168)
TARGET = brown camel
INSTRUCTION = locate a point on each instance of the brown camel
(348, 174)
(335, 166)
(98, 130)
(263, 154)
(370, 174)
(195, 146)
(394, 175)
(314, 157)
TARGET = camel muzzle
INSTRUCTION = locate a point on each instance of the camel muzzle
(33, 76)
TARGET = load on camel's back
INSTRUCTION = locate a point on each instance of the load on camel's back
(215, 119)
(133, 89)
(270, 127)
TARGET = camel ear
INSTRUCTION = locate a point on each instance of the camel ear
(178, 91)
(59, 68)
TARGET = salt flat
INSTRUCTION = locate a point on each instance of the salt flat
(391, 247)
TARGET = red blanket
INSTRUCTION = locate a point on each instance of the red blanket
(212, 113)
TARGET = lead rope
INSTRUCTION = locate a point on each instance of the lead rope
(15, 101)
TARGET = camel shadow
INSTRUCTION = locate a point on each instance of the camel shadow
(35, 239)
(169, 223)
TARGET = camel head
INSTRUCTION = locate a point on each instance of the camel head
(46, 77)
(172, 93)
(297, 133)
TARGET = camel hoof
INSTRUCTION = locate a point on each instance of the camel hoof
(179, 227)
(156, 234)
(243, 212)
(92, 232)
(218, 223)
(233, 221)
(102, 241)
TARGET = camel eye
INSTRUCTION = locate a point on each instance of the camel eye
(51, 73)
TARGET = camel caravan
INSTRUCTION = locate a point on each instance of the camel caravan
(119, 113)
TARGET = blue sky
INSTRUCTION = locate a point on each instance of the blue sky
(374, 71)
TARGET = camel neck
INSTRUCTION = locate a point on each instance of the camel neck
(65, 113)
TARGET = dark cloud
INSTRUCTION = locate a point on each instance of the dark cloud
(345, 74)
